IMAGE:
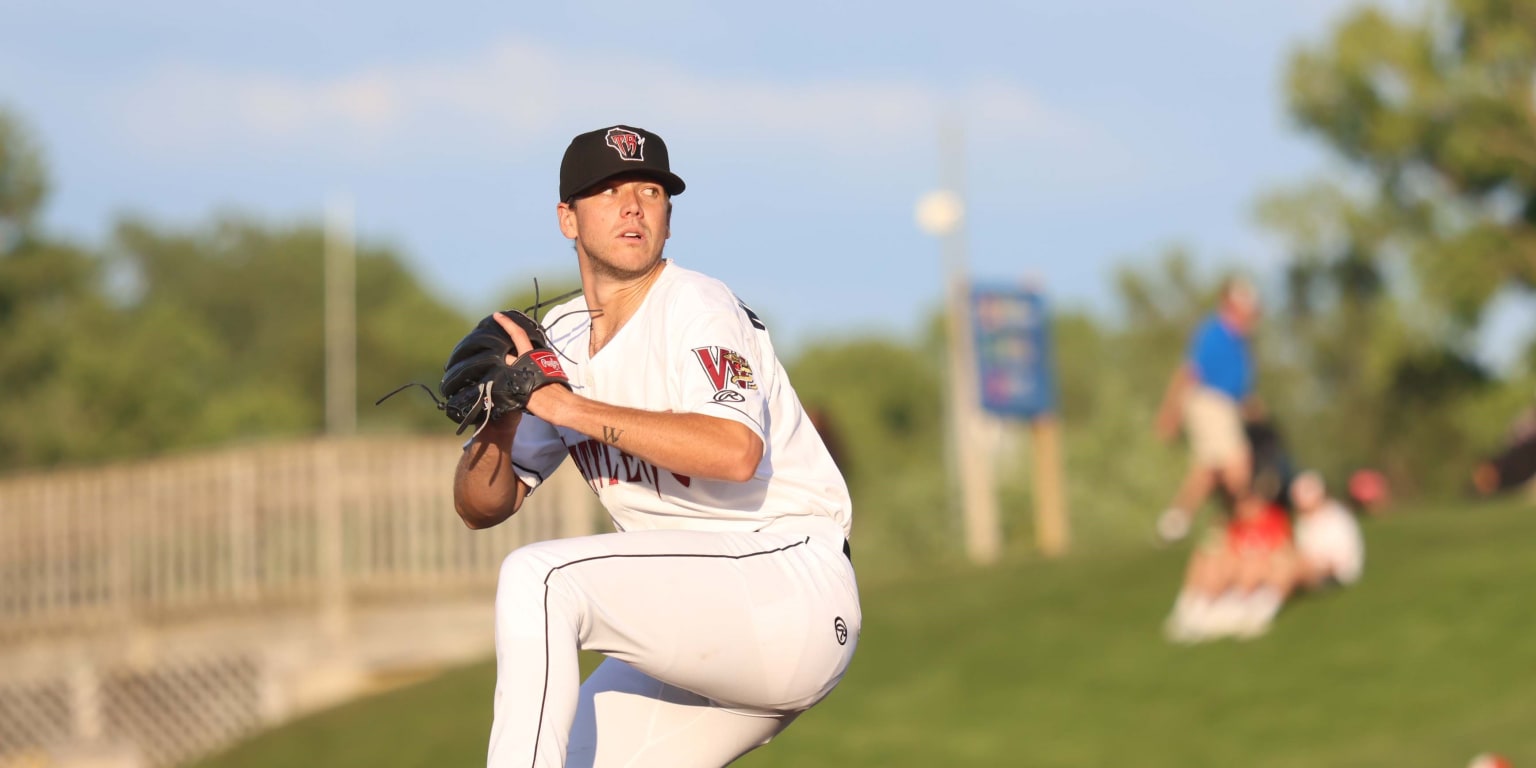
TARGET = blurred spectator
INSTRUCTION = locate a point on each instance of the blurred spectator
(1370, 492)
(1490, 760)
(1208, 395)
(1238, 578)
(1329, 548)
(1514, 464)
(1271, 469)
(831, 436)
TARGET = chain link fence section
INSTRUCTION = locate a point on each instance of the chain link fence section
(130, 715)
(181, 710)
(33, 713)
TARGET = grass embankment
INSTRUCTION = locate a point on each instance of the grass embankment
(1428, 661)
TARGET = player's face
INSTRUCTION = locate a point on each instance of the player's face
(621, 226)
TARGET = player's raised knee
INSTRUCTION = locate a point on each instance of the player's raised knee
(527, 566)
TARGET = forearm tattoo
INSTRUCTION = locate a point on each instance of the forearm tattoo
(612, 434)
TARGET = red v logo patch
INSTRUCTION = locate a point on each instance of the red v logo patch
(725, 367)
(714, 364)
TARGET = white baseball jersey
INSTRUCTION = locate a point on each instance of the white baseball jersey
(692, 347)
(1330, 536)
(725, 609)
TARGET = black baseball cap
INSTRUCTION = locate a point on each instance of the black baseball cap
(608, 152)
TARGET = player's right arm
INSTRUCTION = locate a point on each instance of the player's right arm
(486, 490)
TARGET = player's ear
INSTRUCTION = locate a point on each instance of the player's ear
(566, 213)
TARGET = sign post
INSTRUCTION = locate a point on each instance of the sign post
(941, 213)
(1017, 381)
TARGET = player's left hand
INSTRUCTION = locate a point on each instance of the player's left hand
(496, 368)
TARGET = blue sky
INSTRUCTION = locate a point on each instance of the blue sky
(1096, 132)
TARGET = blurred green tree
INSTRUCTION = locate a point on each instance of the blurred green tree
(1393, 267)
(170, 339)
(1436, 113)
(254, 293)
(23, 181)
(51, 312)
(882, 397)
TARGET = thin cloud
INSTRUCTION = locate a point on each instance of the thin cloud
(517, 94)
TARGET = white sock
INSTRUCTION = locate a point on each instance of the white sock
(1173, 524)
(1185, 606)
(1186, 620)
(1265, 603)
(1259, 610)
(1225, 613)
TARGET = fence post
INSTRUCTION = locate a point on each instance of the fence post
(126, 506)
(329, 564)
(85, 701)
(241, 525)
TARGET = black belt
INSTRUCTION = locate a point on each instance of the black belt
(847, 551)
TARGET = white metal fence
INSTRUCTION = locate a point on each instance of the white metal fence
(93, 562)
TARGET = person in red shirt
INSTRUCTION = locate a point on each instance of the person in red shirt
(1238, 578)
(1261, 529)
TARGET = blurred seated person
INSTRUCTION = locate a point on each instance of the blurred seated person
(1514, 464)
(1238, 578)
(1329, 548)
(1369, 491)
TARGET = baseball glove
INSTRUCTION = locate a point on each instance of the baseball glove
(479, 385)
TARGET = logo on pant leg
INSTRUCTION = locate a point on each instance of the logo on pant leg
(840, 627)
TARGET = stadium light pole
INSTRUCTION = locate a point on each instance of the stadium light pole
(941, 213)
(340, 319)
(340, 414)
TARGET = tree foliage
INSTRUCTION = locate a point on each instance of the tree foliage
(23, 182)
(168, 339)
(1391, 270)
(883, 398)
(1436, 112)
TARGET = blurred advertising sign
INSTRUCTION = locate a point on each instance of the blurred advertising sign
(1013, 351)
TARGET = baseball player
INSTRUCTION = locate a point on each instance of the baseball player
(726, 604)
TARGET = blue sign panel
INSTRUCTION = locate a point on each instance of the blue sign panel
(1013, 351)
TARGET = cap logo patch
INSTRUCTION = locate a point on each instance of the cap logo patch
(629, 145)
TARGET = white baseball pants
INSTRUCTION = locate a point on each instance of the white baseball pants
(715, 643)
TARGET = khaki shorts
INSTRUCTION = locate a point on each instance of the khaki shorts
(1215, 428)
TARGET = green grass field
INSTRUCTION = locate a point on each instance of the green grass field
(1427, 662)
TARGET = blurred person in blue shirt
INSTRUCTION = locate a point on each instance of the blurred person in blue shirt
(1211, 395)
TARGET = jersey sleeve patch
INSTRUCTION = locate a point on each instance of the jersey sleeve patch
(725, 368)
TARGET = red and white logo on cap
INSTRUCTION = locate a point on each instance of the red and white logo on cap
(629, 145)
